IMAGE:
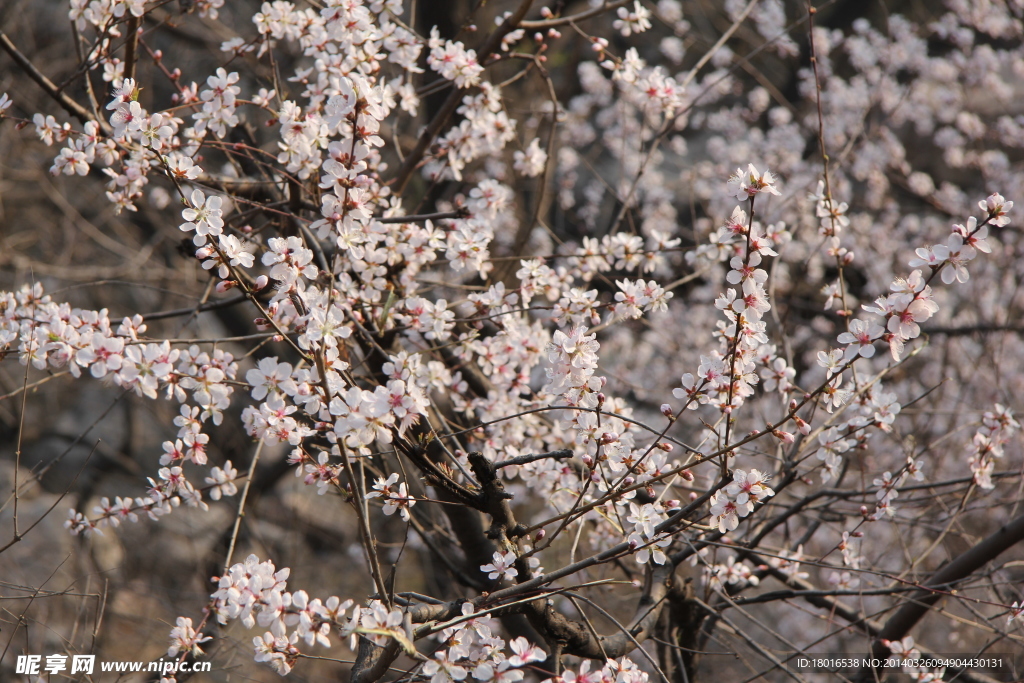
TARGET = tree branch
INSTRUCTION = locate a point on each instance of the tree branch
(433, 129)
(69, 105)
(939, 585)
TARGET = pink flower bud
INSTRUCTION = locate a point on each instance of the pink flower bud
(538, 37)
(546, 12)
(225, 285)
(203, 253)
(609, 437)
(554, 33)
(588, 461)
(802, 426)
(595, 476)
(667, 411)
(601, 398)
(693, 495)
(687, 475)
(671, 504)
(261, 282)
(539, 536)
(667, 447)
(628, 481)
(784, 437)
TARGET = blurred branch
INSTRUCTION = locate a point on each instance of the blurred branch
(161, 315)
(492, 43)
(69, 105)
(940, 585)
(571, 19)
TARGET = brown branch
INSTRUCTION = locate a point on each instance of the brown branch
(940, 584)
(131, 46)
(572, 19)
(69, 105)
(225, 303)
(419, 218)
(828, 602)
(440, 119)
(981, 328)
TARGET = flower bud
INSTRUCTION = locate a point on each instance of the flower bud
(546, 12)
(609, 437)
(667, 447)
(693, 495)
(667, 411)
(538, 37)
(204, 253)
(539, 536)
(784, 437)
(261, 323)
(802, 426)
(601, 398)
(261, 282)
(588, 461)
(554, 33)
(595, 476)
(687, 475)
(649, 490)
(225, 285)
(628, 481)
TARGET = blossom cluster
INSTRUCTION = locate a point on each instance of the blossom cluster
(419, 305)
(997, 427)
(738, 498)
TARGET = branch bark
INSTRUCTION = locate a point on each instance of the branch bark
(433, 129)
(939, 585)
(68, 104)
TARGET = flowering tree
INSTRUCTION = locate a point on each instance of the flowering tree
(636, 400)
